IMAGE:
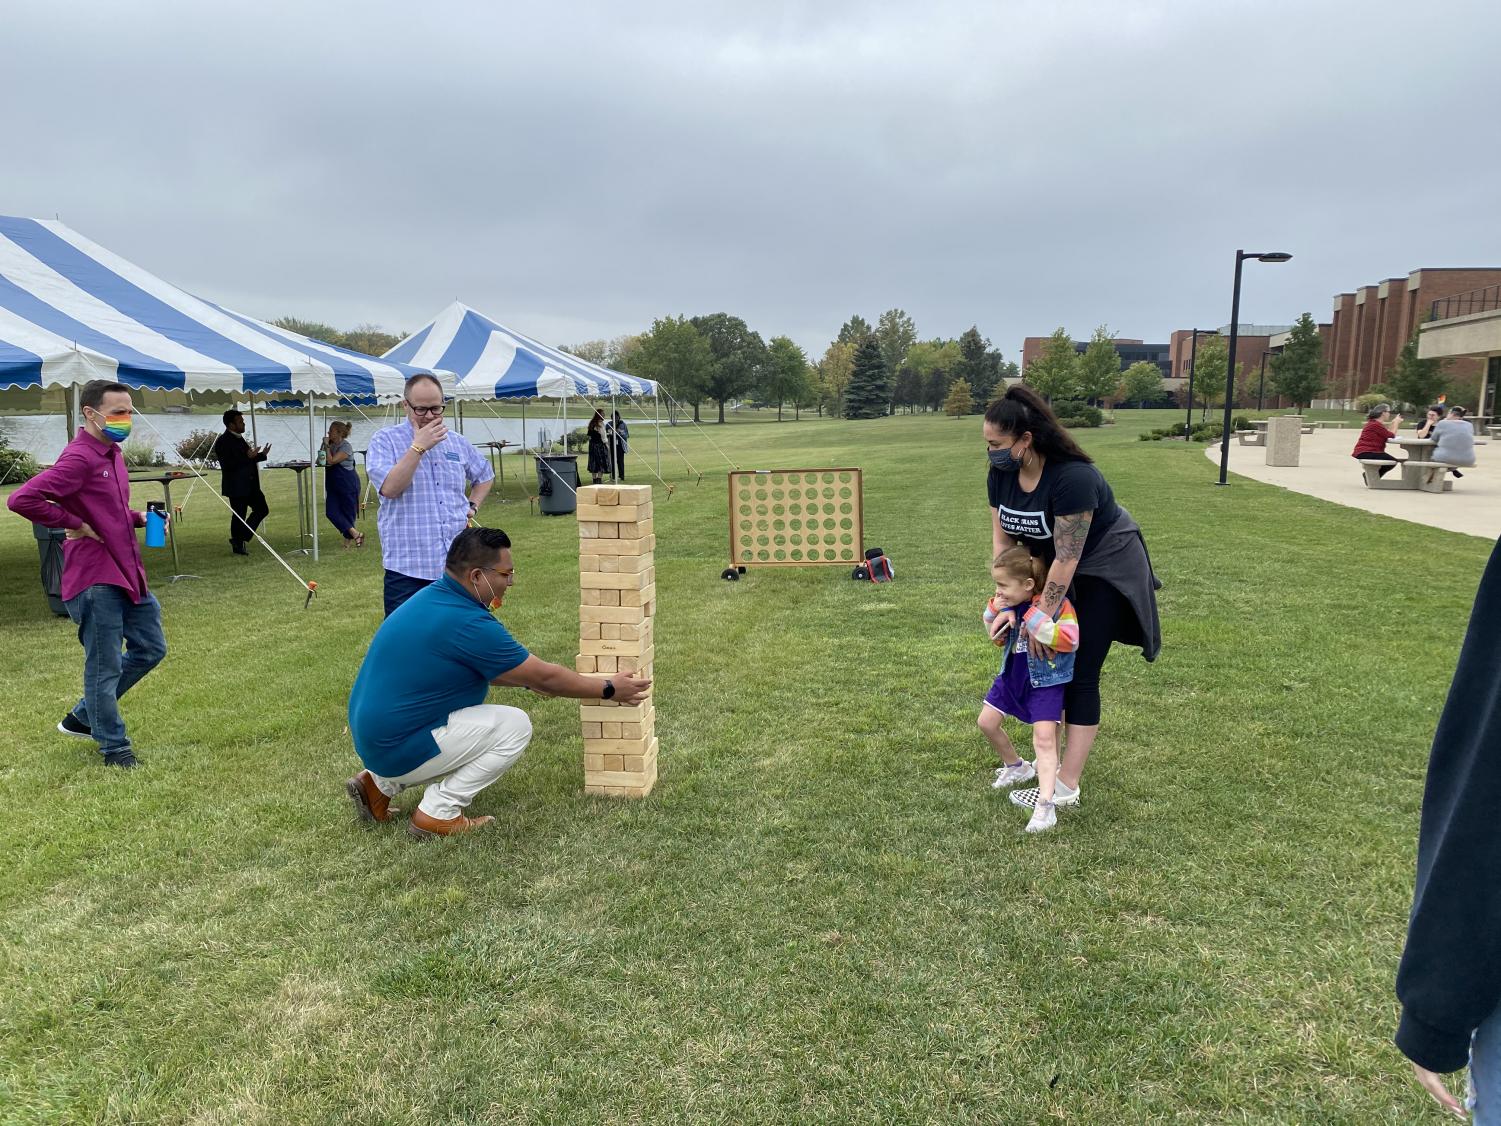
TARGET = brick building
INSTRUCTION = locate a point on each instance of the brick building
(1372, 323)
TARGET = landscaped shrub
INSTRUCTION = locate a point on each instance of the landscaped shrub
(141, 455)
(198, 448)
(1240, 422)
(16, 465)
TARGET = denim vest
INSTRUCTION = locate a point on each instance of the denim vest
(1042, 672)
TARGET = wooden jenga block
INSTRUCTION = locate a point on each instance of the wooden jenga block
(611, 730)
(604, 664)
(638, 597)
(588, 564)
(606, 564)
(590, 631)
(633, 494)
(639, 530)
(588, 529)
(593, 731)
(604, 647)
(599, 494)
(589, 597)
(586, 662)
(638, 747)
(602, 711)
(610, 631)
(613, 762)
(628, 615)
(629, 564)
(632, 633)
(608, 597)
(615, 582)
(643, 546)
(620, 514)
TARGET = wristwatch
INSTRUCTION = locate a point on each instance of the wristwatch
(609, 692)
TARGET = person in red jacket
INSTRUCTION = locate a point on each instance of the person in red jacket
(1379, 429)
(104, 583)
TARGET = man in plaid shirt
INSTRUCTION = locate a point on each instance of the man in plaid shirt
(422, 471)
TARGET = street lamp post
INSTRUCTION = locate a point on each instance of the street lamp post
(1193, 355)
(1261, 386)
(1240, 256)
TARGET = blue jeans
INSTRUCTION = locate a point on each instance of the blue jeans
(108, 619)
(400, 587)
(1485, 1072)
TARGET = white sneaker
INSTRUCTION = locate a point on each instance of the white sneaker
(1006, 776)
(1044, 817)
(1062, 796)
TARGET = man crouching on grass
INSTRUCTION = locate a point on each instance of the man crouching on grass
(417, 710)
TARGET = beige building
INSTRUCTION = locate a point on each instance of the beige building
(1467, 327)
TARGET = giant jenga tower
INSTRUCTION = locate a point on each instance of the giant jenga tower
(618, 596)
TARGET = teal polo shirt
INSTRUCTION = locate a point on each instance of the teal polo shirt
(436, 654)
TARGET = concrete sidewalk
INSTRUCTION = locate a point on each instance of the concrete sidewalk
(1327, 471)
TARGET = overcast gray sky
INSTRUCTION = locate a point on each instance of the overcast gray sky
(576, 169)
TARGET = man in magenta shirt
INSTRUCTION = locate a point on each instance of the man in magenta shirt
(104, 584)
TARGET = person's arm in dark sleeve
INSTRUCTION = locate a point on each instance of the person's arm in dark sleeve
(1449, 979)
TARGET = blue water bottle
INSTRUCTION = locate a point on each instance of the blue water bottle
(156, 524)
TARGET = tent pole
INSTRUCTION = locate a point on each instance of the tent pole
(459, 407)
(657, 410)
(523, 426)
(254, 441)
(312, 470)
(77, 408)
(614, 437)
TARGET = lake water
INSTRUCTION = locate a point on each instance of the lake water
(44, 435)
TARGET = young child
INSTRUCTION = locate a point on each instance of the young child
(1029, 689)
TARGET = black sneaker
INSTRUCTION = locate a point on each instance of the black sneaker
(70, 725)
(123, 759)
(237, 547)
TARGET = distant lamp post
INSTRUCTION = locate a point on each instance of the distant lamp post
(1261, 386)
(1193, 354)
(1240, 256)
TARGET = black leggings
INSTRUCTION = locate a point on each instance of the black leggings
(1379, 456)
(1104, 614)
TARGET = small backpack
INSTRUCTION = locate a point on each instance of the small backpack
(877, 568)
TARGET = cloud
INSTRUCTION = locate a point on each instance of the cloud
(578, 169)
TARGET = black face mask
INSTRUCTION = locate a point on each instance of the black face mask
(1004, 461)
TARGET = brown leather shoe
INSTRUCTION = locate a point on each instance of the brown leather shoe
(369, 803)
(425, 828)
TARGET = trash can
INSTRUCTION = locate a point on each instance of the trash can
(557, 484)
(49, 545)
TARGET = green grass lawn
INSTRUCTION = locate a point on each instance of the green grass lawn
(822, 913)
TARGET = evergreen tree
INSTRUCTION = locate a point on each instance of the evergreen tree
(867, 395)
(1414, 381)
(979, 365)
(907, 389)
(854, 330)
(1298, 374)
(1099, 367)
(958, 402)
(1055, 373)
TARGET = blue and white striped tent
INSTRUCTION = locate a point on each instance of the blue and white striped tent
(70, 311)
(490, 361)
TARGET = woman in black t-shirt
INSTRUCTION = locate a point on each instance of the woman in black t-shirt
(1047, 495)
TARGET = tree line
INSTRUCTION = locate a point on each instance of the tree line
(866, 370)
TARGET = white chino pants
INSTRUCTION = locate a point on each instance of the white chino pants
(475, 747)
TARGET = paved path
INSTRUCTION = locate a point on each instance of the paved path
(1327, 471)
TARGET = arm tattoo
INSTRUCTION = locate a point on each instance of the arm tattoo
(1069, 534)
(1052, 596)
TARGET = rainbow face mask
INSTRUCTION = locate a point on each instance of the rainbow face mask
(116, 427)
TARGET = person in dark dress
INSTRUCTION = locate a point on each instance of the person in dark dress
(239, 462)
(341, 484)
(599, 449)
(1046, 494)
(620, 434)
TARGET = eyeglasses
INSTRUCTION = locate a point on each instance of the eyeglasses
(425, 410)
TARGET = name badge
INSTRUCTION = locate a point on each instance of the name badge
(451, 456)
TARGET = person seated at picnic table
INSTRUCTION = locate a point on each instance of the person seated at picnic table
(1431, 416)
(1379, 429)
(1456, 440)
